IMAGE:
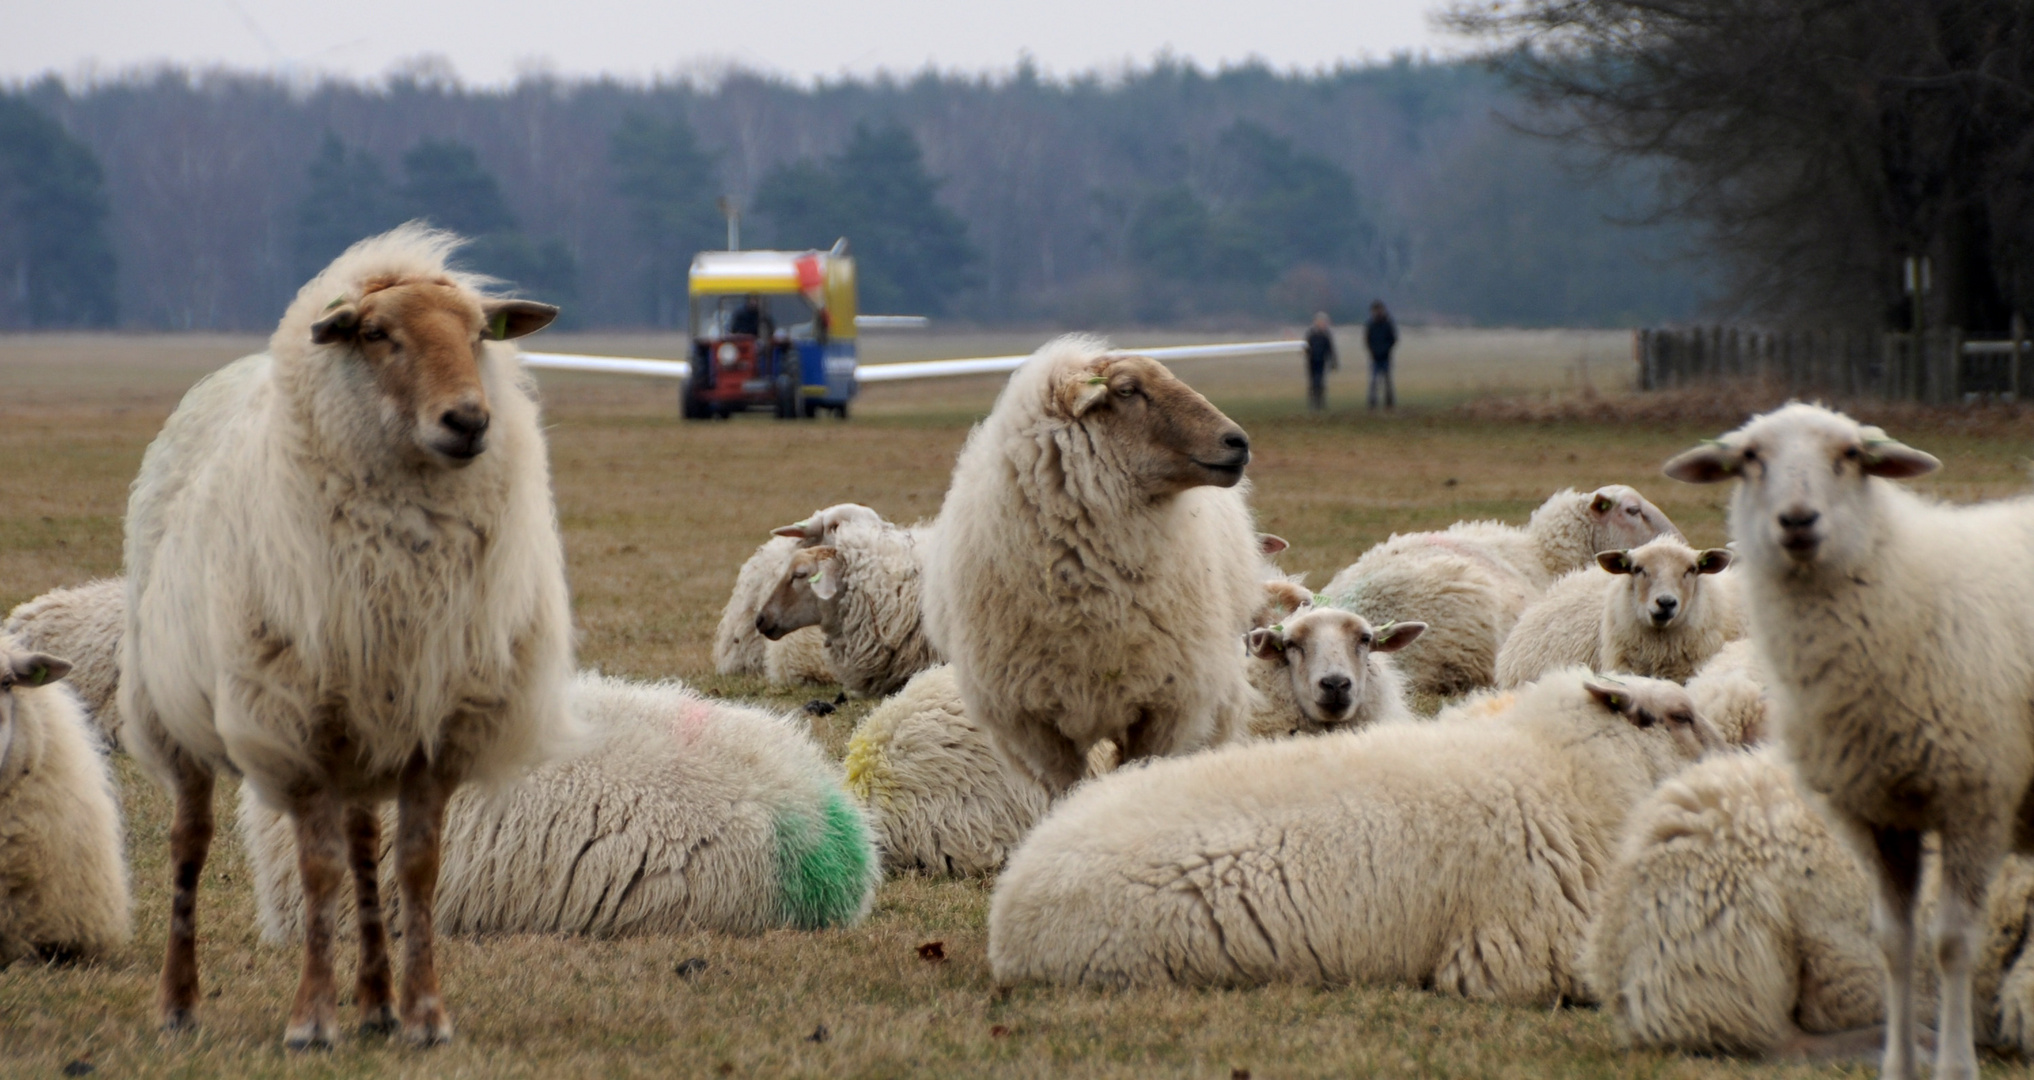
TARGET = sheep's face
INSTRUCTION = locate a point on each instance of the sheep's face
(1658, 705)
(1326, 651)
(1664, 579)
(820, 527)
(421, 342)
(19, 669)
(1805, 497)
(1620, 518)
(1157, 427)
(809, 582)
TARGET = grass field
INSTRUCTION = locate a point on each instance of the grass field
(657, 515)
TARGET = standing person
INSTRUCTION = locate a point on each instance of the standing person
(1380, 334)
(1321, 359)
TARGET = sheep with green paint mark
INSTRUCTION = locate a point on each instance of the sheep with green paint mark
(688, 814)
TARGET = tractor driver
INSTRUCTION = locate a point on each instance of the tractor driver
(750, 319)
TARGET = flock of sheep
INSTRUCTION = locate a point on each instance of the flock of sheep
(1717, 792)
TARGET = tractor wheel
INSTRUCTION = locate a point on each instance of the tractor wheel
(689, 406)
(787, 398)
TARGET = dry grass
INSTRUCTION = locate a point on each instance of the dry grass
(657, 516)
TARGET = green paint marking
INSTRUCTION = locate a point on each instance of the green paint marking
(824, 866)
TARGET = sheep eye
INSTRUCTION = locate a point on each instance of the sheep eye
(1126, 391)
(374, 334)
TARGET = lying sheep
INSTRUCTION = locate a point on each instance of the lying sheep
(82, 624)
(862, 591)
(1899, 633)
(1734, 921)
(737, 648)
(63, 875)
(1323, 669)
(1095, 562)
(799, 659)
(1473, 580)
(940, 797)
(688, 814)
(1730, 690)
(345, 584)
(1462, 854)
(1658, 610)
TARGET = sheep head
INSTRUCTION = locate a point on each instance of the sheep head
(1156, 427)
(22, 669)
(1620, 517)
(1807, 479)
(1663, 578)
(1656, 704)
(812, 579)
(421, 342)
(1327, 653)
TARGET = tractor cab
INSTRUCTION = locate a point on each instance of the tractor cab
(771, 330)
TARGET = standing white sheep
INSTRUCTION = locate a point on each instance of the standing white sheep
(82, 624)
(1323, 669)
(1095, 562)
(1473, 580)
(687, 814)
(737, 648)
(345, 583)
(862, 591)
(1899, 633)
(1660, 610)
(63, 874)
(1462, 854)
(1734, 921)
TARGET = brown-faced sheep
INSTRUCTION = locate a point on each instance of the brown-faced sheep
(862, 591)
(737, 648)
(345, 583)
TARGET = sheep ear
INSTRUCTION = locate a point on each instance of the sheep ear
(1086, 392)
(1614, 698)
(509, 319)
(1268, 544)
(1396, 636)
(1617, 562)
(1266, 643)
(826, 578)
(1707, 464)
(1896, 460)
(803, 530)
(1602, 503)
(38, 669)
(1713, 561)
(341, 323)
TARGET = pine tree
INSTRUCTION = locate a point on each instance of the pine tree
(671, 185)
(349, 198)
(56, 262)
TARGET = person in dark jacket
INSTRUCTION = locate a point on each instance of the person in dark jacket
(1321, 359)
(1380, 334)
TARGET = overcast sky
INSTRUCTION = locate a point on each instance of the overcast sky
(491, 41)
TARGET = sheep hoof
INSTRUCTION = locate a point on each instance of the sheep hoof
(434, 1029)
(175, 1020)
(380, 1022)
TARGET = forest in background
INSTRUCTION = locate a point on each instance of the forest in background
(1166, 195)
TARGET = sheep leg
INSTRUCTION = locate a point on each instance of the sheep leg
(1896, 855)
(190, 841)
(1968, 863)
(373, 986)
(419, 830)
(314, 1020)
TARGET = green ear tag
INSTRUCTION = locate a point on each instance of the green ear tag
(336, 301)
(39, 676)
(499, 325)
(1097, 381)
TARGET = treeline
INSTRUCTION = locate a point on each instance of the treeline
(1167, 195)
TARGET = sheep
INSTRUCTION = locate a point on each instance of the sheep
(941, 797)
(63, 878)
(800, 658)
(81, 624)
(737, 649)
(862, 591)
(1899, 634)
(1730, 690)
(689, 814)
(1473, 580)
(1461, 854)
(345, 583)
(1094, 563)
(1657, 610)
(1734, 921)
(1322, 669)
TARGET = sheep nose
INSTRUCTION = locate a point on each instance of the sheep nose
(1666, 604)
(1799, 518)
(1236, 441)
(468, 420)
(1335, 684)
